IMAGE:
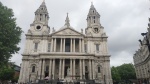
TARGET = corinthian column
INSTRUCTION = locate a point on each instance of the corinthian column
(55, 45)
(50, 68)
(71, 45)
(71, 67)
(60, 68)
(83, 45)
(52, 45)
(53, 69)
(90, 69)
(64, 45)
(61, 45)
(80, 47)
(74, 68)
(84, 68)
(93, 69)
(63, 68)
(74, 49)
(80, 68)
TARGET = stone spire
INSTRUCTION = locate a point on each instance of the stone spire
(67, 21)
(41, 14)
(93, 17)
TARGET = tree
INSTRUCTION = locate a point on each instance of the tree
(10, 34)
(127, 71)
(7, 72)
(115, 74)
(123, 72)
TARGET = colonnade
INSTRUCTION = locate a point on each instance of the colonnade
(73, 67)
(72, 44)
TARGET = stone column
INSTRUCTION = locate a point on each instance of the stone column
(71, 67)
(52, 45)
(43, 69)
(61, 45)
(39, 69)
(50, 68)
(71, 45)
(74, 45)
(74, 68)
(63, 68)
(53, 73)
(80, 68)
(83, 45)
(60, 68)
(93, 68)
(55, 45)
(80, 48)
(64, 45)
(90, 75)
(83, 68)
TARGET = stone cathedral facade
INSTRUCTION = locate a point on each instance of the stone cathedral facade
(66, 54)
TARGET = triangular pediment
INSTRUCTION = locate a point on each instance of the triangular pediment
(67, 31)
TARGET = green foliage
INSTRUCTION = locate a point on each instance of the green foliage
(7, 73)
(115, 74)
(123, 72)
(127, 71)
(10, 34)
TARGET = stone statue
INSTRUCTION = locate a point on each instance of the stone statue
(68, 71)
(53, 30)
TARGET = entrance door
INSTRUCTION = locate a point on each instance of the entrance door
(86, 75)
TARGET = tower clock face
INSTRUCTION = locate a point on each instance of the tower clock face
(38, 27)
(96, 29)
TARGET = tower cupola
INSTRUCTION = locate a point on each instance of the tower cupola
(93, 17)
(41, 15)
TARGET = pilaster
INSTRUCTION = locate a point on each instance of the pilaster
(43, 68)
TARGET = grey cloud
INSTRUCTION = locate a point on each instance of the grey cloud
(123, 21)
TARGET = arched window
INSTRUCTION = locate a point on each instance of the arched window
(33, 68)
(99, 68)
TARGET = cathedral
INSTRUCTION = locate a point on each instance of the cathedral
(65, 54)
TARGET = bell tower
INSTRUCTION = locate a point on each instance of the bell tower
(94, 27)
(40, 23)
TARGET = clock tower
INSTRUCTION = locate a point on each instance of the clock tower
(40, 23)
(94, 27)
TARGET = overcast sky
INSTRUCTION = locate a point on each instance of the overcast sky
(123, 21)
